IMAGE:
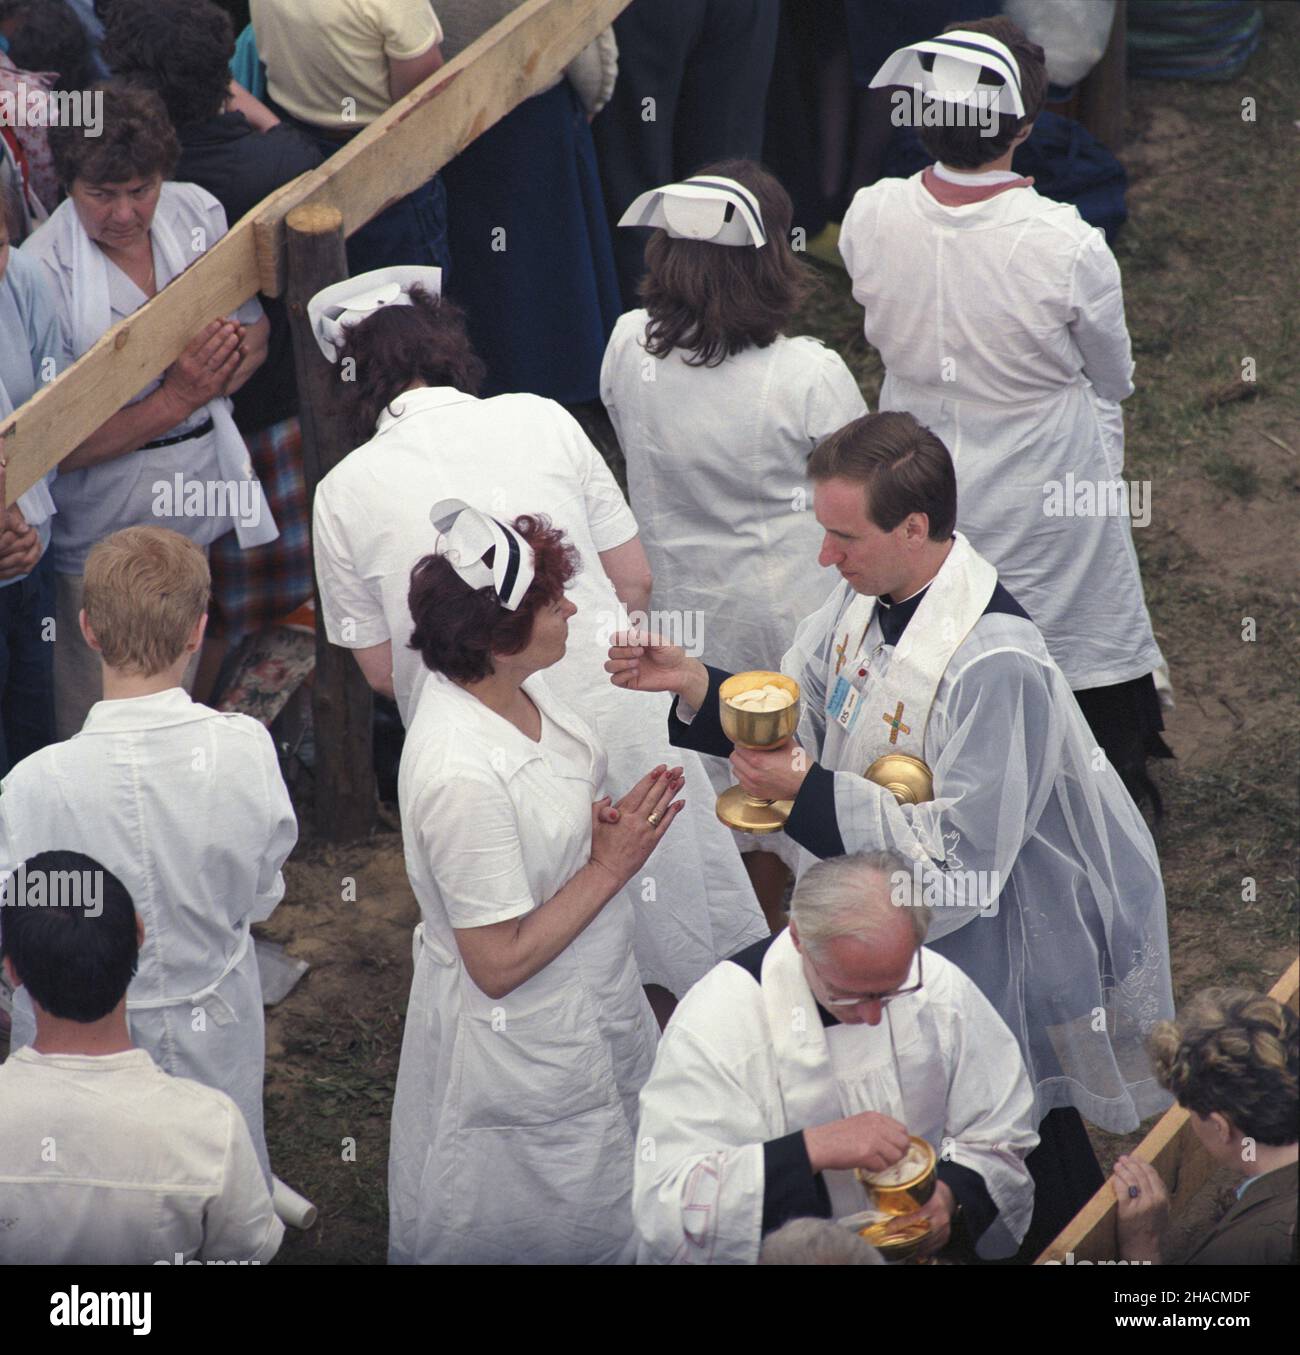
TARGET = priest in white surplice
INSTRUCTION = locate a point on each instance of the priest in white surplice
(1044, 877)
(820, 1050)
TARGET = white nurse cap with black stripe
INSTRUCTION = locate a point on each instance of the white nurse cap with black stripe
(465, 535)
(706, 207)
(959, 67)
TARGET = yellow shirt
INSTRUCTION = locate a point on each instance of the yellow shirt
(327, 60)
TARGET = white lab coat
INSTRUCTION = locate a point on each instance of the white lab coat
(1001, 325)
(514, 1121)
(188, 809)
(744, 1063)
(146, 1168)
(523, 454)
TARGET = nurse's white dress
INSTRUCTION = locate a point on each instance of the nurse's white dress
(514, 1123)
(1001, 325)
(522, 454)
(716, 461)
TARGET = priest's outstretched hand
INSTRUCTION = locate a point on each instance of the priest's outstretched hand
(643, 662)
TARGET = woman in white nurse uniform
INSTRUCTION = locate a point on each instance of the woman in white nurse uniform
(717, 412)
(528, 1036)
(408, 374)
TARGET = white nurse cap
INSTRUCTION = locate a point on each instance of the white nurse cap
(718, 210)
(960, 60)
(348, 302)
(465, 536)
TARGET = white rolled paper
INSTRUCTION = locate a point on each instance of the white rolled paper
(290, 1207)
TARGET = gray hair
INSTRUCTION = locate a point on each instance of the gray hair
(856, 896)
(817, 1242)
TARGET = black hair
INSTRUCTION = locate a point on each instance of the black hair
(75, 956)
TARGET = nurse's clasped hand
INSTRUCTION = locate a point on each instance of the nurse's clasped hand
(643, 662)
(624, 835)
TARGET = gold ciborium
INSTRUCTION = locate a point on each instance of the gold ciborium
(899, 1190)
(756, 729)
(906, 777)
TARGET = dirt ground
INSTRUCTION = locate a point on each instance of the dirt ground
(1210, 274)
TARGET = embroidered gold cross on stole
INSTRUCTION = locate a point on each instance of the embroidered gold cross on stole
(895, 723)
(841, 653)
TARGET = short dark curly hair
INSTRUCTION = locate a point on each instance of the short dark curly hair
(459, 628)
(179, 48)
(397, 347)
(136, 141)
(1238, 1053)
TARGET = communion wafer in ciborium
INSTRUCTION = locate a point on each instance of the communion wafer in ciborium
(896, 1192)
(907, 778)
(756, 729)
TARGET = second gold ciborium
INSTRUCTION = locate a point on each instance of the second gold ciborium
(759, 728)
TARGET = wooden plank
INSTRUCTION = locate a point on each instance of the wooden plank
(509, 63)
(398, 152)
(1175, 1152)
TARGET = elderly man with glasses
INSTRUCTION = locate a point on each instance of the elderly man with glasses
(817, 1052)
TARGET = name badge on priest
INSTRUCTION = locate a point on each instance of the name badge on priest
(843, 705)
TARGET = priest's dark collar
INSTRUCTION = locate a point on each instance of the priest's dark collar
(894, 616)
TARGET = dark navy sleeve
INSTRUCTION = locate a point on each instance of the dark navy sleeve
(812, 823)
(970, 1192)
(791, 1190)
(704, 733)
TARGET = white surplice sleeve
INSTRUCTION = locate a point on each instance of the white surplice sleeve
(1001, 741)
(699, 1177)
(990, 1106)
(1098, 328)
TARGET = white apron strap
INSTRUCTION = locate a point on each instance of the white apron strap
(803, 1061)
(222, 1013)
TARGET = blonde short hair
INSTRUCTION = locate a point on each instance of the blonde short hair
(145, 587)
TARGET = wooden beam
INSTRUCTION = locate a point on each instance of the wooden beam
(509, 63)
(1172, 1149)
(1103, 94)
(342, 708)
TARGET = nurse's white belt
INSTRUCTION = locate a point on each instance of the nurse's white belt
(715, 209)
(465, 535)
(207, 997)
(959, 58)
(345, 303)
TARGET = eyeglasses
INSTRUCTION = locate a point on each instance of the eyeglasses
(883, 998)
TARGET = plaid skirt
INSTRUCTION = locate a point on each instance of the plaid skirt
(255, 588)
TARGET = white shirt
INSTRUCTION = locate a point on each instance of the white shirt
(121, 493)
(107, 1160)
(716, 461)
(1001, 325)
(188, 809)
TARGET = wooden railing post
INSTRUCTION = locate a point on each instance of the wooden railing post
(342, 707)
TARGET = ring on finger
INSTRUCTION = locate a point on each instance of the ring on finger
(654, 819)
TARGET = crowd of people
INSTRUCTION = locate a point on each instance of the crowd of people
(634, 1031)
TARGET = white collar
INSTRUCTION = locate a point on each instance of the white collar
(511, 747)
(988, 176)
(418, 401)
(174, 706)
(88, 1063)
